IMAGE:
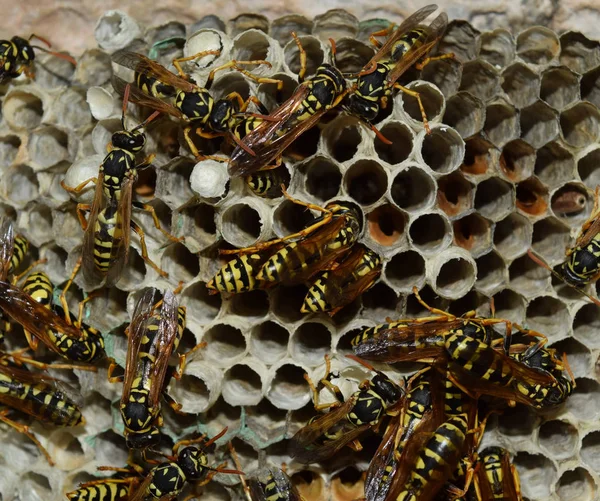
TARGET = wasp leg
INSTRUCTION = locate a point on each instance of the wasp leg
(140, 233)
(63, 294)
(235, 65)
(177, 61)
(25, 430)
(18, 357)
(236, 462)
(385, 32)
(109, 374)
(150, 210)
(176, 406)
(253, 99)
(178, 373)
(197, 155)
(302, 54)
(436, 311)
(419, 66)
(198, 440)
(81, 210)
(417, 96)
(79, 188)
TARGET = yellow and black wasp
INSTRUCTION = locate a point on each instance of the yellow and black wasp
(272, 484)
(268, 183)
(107, 229)
(35, 394)
(268, 140)
(334, 289)
(582, 265)
(346, 420)
(17, 56)
(408, 43)
(115, 488)
(154, 334)
(191, 103)
(31, 306)
(312, 250)
(496, 477)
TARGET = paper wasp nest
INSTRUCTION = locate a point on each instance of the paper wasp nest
(515, 131)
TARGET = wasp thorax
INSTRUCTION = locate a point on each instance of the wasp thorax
(330, 71)
(137, 414)
(166, 479)
(386, 388)
(196, 106)
(129, 140)
(361, 107)
(143, 440)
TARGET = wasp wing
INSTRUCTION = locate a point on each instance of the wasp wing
(137, 330)
(409, 23)
(267, 141)
(417, 51)
(7, 242)
(137, 96)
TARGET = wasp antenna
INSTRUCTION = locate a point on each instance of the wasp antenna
(125, 101)
(216, 437)
(66, 57)
(379, 135)
(148, 120)
(567, 366)
(41, 39)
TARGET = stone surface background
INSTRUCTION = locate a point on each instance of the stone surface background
(70, 23)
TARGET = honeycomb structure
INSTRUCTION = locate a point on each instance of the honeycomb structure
(513, 153)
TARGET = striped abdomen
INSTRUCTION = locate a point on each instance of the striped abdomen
(39, 287)
(107, 231)
(437, 460)
(239, 274)
(152, 86)
(20, 248)
(106, 491)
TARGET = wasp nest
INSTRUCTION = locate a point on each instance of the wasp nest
(513, 152)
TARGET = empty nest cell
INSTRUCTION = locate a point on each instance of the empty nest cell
(455, 194)
(480, 79)
(413, 189)
(539, 124)
(521, 84)
(560, 87)
(473, 233)
(386, 225)
(501, 122)
(402, 143)
(405, 270)
(497, 47)
(580, 125)
(517, 160)
(538, 45)
(443, 150)
(366, 181)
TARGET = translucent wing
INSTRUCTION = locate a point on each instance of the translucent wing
(435, 31)
(137, 329)
(33, 316)
(142, 64)
(7, 242)
(137, 96)
(383, 466)
(408, 24)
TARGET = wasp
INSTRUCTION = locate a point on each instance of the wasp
(582, 264)
(107, 489)
(405, 46)
(35, 394)
(346, 420)
(30, 306)
(153, 336)
(315, 248)
(192, 104)
(311, 100)
(334, 289)
(107, 228)
(273, 484)
(17, 56)
(268, 183)
(496, 478)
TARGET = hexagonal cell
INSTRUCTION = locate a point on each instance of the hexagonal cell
(270, 97)
(549, 316)
(352, 55)
(521, 84)
(559, 439)
(379, 301)
(282, 27)
(494, 198)
(314, 55)
(406, 270)
(430, 232)
(492, 273)
(527, 277)
(225, 344)
(460, 38)
(538, 45)
(366, 182)
(19, 185)
(48, 146)
(289, 217)
(445, 74)
(501, 122)
(241, 224)
(590, 86)
(287, 301)
(22, 110)
(517, 160)
(250, 304)
(539, 124)
(510, 306)
(180, 263)
(580, 125)
(431, 99)
(532, 197)
(537, 473)
(473, 233)
(443, 150)
(269, 341)
(452, 274)
(480, 79)
(584, 403)
(478, 157)
(342, 138)
(242, 385)
(554, 164)
(413, 189)
(512, 236)
(569, 206)
(588, 167)
(497, 47)
(310, 343)
(577, 484)
(578, 355)
(401, 146)
(245, 22)
(254, 45)
(586, 324)
(455, 194)
(465, 113)
(335, 23)
(590, 450)
(386, 224)
(322, 178)
(560, 87)
(201, 305)
(550, 239)
(9, 147)
(288, 389)
(578, 52)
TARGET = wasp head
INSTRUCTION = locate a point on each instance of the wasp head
(24, 48)
(192, 462)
